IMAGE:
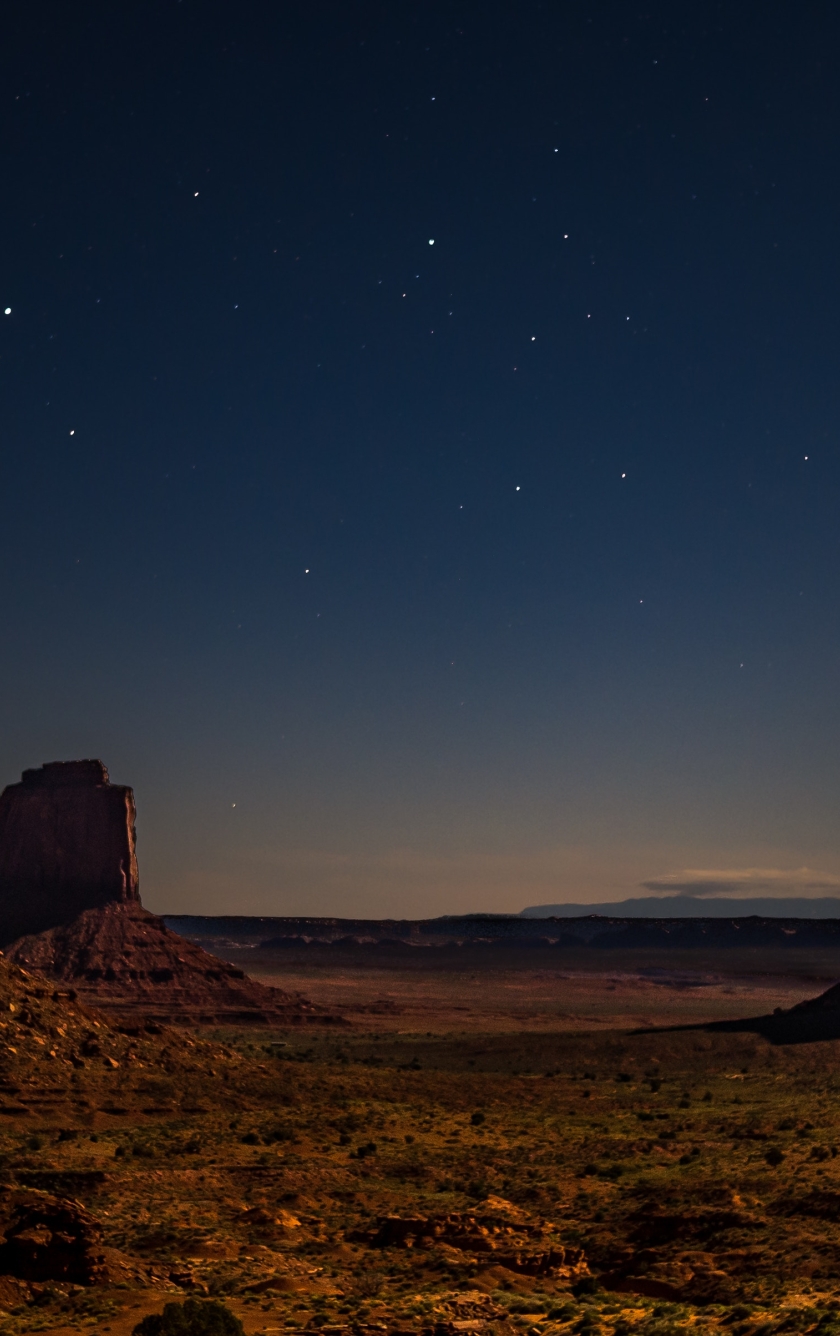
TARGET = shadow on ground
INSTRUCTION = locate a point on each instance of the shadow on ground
(808, 1023)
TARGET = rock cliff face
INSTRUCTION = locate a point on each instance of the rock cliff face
(67, 844)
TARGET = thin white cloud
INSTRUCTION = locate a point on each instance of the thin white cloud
(747, 881)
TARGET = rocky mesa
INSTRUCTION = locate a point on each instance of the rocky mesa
(70, 908)
(67, 843)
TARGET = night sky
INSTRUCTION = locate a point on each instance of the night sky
(419, 471)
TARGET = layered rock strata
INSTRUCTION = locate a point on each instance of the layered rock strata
(125, 961)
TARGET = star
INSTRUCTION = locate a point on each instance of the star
(8, 310)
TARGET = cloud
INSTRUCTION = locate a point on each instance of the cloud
(747, 881)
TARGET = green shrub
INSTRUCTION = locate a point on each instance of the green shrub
(194, 1317)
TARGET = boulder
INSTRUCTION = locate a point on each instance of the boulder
(67, 843)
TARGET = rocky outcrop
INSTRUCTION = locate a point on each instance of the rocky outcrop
(496, 1240)
(47, 1238)
(67, 843)
(126, 962)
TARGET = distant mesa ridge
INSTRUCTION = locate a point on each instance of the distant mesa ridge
(67, 843)
(504, 932)
(686, 905)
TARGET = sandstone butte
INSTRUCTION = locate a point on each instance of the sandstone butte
(70, 908)
(67, 843)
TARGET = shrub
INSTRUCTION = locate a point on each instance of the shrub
(280, 1133)
(194, 1317)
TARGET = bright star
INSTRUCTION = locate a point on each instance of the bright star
(431, 241)
(8, 310)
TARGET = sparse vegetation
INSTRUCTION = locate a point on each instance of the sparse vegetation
(695, 1190)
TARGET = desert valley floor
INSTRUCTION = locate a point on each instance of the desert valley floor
(512, 989)
(496, 1147)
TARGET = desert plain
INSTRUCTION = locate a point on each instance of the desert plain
(502, 1145)
(510, 988)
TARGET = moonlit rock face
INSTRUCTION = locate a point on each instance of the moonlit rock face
(67, 843)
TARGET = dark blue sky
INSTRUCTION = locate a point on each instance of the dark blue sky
(565, 483)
